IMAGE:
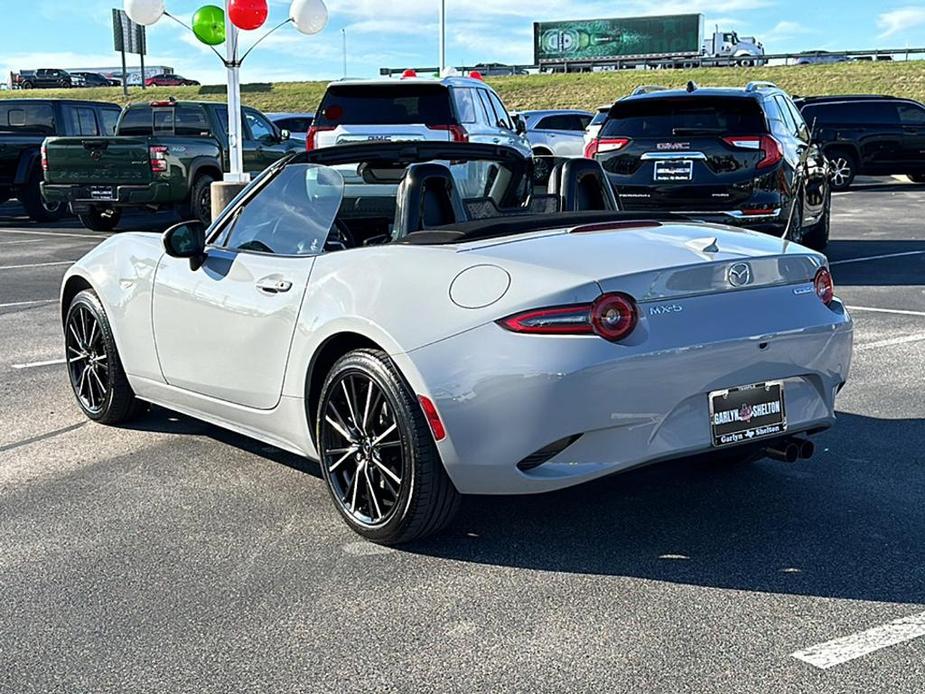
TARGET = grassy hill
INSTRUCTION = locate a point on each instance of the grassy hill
(568, 91)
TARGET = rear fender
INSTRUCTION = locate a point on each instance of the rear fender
(29, 161)
(200, 164)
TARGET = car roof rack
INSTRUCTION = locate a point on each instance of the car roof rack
(758, 84)
(648, 89)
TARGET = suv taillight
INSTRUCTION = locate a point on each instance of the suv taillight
(611, 316)
(825, 287)
(44, 151)
(604, 145)
(157, 154)
(311, 139)
(770, 148)
(457, 132)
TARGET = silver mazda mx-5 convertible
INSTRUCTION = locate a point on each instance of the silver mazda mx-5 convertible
(429, 320)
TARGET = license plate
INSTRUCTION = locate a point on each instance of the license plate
(102, 193)
(747, 413)
(674, 170)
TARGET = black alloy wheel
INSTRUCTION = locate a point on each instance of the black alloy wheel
(378, 455)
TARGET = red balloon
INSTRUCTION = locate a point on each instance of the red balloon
(248, 14)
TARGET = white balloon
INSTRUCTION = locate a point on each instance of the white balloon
(144, 12)
(309, 16)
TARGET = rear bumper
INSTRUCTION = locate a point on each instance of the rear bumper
(628, 406)
(81, 196)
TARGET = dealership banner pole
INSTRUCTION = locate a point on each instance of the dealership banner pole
(442, 36)
(235, 141)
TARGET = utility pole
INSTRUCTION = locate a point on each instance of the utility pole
(442, 36)
(344, 32)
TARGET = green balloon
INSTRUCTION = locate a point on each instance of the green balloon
(209, 25)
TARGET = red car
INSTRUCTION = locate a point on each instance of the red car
(170, 81)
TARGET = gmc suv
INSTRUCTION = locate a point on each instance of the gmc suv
(870, 135)
(739, 156)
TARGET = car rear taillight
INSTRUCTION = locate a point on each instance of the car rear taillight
(457, 132)
(311, 139)
(605, 145)
(770, 148)
(157, 154)
(44, 151)
(825, 287)
(611, 316)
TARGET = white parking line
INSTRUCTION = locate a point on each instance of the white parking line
(838, 651)
(14, 304)
(98, 237)
(891, 342)
(13, 243)
(897, 311)
(36, 364)
(20, 267)
(876, 257)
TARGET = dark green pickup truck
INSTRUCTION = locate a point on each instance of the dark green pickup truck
(165, 154)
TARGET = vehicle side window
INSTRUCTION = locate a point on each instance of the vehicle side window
(776, 121)
(802, 129)
(503, 118)
(911, 115)
(260, 127)
(109, 117)
(81, 121)
(491, 118)
(464, 100)
(584, 122)
(291, 215)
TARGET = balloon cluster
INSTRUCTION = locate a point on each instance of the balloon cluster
(308, 16)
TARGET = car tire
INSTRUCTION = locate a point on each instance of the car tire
(100, 218)
(399, 490)
(542, 166)
(35, 205)
(844, 168)
(26, 85)
(795, 230)
(94, 368)
(916, 177)
(817, 235)
(199, 205)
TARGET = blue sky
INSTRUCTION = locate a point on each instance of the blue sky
(398, 33)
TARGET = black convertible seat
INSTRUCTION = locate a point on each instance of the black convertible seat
(581, 186)
(427, 198)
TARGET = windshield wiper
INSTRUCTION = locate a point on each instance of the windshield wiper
(697, 131)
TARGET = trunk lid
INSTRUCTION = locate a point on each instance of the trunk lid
(655, 261)
(98, 160)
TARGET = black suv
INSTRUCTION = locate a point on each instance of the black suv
(867, 134)
(735, 156)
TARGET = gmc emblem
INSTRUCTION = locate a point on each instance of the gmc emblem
(663, 146)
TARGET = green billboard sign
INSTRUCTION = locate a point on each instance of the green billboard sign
(603, 39)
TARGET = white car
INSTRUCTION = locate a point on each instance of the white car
(452, 109)
(426, 333)
(594, 127)
(559, 133)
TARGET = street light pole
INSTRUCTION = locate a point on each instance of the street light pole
(344, 32)
(442, 36)
(235, 141)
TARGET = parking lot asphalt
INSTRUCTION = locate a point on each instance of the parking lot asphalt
(173, 556)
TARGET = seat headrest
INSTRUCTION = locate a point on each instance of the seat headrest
(427, 198)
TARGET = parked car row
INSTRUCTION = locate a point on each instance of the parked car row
(62, 79)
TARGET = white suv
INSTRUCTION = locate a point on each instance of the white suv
(461, 109)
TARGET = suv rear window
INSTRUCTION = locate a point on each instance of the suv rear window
(852, 113)
(385, 105)
(166, 120)
(667, 117)
(27, 118)
(599, 117)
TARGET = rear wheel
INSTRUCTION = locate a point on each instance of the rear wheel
(94, 368)
(844, 168)
(378, 455)
(35, 205)
(100, 218)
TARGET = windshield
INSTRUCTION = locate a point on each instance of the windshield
(291, 215)
(688, 115)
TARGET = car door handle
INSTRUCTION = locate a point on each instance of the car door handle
(496, 140)
(270, 285)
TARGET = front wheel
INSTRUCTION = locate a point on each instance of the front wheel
(378, 455)
(200, 200)
(100, 218)
(844, 169)
(93, 364)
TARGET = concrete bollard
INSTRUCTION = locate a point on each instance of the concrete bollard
(223, 192)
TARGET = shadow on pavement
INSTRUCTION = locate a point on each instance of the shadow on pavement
(885, 272)
(848, 524)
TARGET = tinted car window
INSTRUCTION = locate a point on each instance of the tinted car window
(561, 122)
(664, 117)
(911, 114)
(180, 120)
(292, 215)
(466, 106)
(599, 117)
(260, 128)
(27, 118)
(852, 113)
(295, 125)
(503, 117)
(109, 117)
(385, 105)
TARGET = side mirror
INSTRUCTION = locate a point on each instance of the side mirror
(285, 135)
(520, 126)
(187, 240)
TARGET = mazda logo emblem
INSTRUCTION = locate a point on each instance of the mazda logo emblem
(739, 275)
